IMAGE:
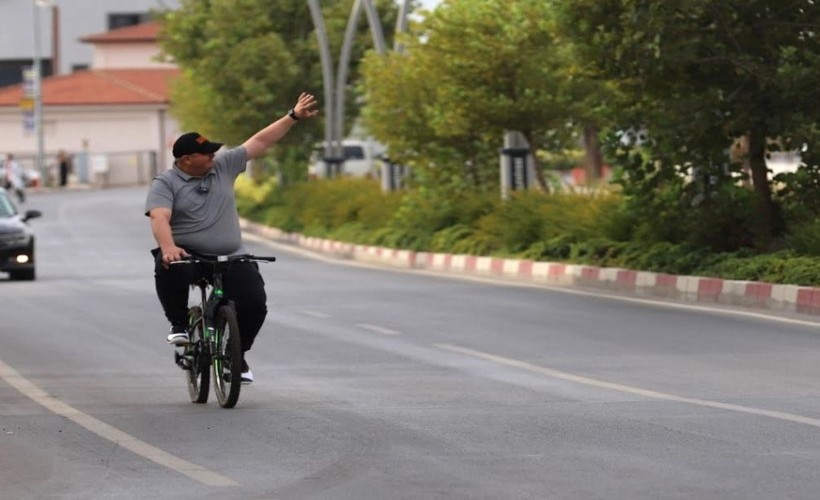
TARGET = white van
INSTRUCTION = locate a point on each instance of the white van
(361, 158)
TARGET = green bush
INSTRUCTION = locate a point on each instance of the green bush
(603, 229)
(254, 197)
(529, 219)
(804, 238)
(516, 224)
(554, 249)
(779, 267)
(803, 271)
(446, 239)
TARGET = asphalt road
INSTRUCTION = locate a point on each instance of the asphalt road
(378, 384)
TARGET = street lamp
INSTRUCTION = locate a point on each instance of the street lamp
(38, 83)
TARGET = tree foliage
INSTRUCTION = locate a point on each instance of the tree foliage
(674, 85)
(246, 61)
(702, 74)
(473, 69)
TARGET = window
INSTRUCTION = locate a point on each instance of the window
(11, 70)
(354, 153)
(121, 20)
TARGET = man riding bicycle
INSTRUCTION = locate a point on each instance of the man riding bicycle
(192, 208)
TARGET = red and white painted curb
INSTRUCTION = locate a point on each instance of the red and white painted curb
(753, 294)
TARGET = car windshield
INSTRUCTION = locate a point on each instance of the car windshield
(6, 208)
(354, 153)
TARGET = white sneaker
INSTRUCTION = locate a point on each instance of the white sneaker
(178, 338)
(247, 374)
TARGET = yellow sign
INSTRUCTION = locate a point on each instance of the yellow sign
(26, 104)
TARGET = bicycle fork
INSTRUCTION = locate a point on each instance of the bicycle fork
(196, 352)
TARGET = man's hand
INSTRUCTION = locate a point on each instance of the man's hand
(172, 254)
(306, 106)
(270, 135)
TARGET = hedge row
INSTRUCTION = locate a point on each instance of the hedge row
(573, 228)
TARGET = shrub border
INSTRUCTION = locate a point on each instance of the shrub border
(750, 294)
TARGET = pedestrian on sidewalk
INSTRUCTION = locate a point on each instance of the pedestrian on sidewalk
(14, 177)
(64, 162)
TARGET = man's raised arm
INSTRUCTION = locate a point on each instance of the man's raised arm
(257, 145)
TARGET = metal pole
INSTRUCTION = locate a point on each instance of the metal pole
(55, 40)
(162, 152)
(327, 77)
(335, 101)
(344, 59)
(38, 90)
(401, 26)
(375, 26)
(344, 63)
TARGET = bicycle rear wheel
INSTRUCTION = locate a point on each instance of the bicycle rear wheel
(227, 360)
(196, 354)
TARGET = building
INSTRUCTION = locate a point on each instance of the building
(61, 25)
(113, 117)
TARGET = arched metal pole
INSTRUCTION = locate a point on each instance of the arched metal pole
(335, 101)
(347, 49)
(344, 66)
(332, 145)
(375, 26)
(401, 25)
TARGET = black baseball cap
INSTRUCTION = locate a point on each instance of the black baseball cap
(194, 142)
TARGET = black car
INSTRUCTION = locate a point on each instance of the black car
(16, 240)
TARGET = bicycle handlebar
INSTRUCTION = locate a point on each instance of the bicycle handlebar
(214, 259)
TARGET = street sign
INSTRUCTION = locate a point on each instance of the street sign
(28, 81)
(27, 102)
(28, 122)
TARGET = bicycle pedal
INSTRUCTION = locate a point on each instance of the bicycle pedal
(181, 360)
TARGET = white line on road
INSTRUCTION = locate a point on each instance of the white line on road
(116, 436)
(316, 314)
(377, 329)
(523, 365)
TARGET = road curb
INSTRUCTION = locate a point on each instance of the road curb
(749, 294)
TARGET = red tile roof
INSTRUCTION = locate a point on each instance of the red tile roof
(145, 32)
(100, 87)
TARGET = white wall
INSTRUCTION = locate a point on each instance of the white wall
(132, 55)
(111, 131)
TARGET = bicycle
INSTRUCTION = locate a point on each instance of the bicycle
(215, 346)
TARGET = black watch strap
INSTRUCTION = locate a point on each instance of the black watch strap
(292, 114)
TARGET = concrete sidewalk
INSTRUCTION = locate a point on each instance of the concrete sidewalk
(692, 289)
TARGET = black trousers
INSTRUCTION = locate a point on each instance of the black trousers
(63, 174)
(21, 193)
(242, 283)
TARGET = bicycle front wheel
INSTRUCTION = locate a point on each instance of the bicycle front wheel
(227, 360)
(196, 356)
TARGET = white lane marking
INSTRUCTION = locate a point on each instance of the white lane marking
(116, 436)
(377, 329)
(542, 286)
(316, 314)
(523, 365)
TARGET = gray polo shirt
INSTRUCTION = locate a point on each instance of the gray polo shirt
(203, 209)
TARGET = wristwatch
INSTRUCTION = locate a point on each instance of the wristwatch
(292, 114)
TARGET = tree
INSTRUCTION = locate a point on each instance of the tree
(245, 61)
(472, 69)
(701, 74)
